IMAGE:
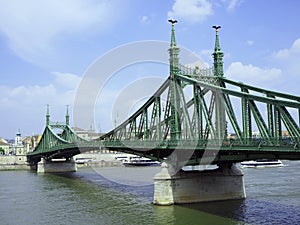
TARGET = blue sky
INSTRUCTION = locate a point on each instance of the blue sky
(46, 47)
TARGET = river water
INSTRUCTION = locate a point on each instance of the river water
(90, 196)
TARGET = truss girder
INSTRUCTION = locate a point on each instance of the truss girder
(289, 122)
(48, 141)
(269, 125)
(232, 117)
(207, 113)
(197, 120)
(186, 125)
(263, 129)
(171, 117)
(51, 141)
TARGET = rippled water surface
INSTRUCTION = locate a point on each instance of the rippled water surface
(93, 197)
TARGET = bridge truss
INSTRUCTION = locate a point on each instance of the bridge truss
(191, 115)
(194, 109)
(54, 144)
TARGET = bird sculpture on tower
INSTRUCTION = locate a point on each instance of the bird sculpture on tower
(172, 21)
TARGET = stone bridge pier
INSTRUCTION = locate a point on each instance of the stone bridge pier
(56, 166)
(224, 183)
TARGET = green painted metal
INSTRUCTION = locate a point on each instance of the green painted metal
(47, 116)
(174, 53)
(50, 139)
(200, 122)
(218, 55)
(67, 117)
(197, 121)
(174, 121)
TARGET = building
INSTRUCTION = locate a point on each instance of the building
(86, 134)
(17, 148)
(30, 142)
(90, 135)
(4, 147)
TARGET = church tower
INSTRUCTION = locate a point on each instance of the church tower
(18, 145)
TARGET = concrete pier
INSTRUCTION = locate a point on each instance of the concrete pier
(198, 186)
(56, 166)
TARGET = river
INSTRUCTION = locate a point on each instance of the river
(103, 196)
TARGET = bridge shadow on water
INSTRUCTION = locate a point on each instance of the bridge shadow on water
(232, 209)
(221, 212)
(90, 177)
(230, 212)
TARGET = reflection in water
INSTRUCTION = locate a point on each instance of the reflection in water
(184, 214)
(234, 209)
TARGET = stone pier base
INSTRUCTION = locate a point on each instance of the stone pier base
(56, 166)
(198, 186)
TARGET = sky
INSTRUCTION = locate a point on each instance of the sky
(48, 48)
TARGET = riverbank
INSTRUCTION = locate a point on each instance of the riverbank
(100, 164)
(13, 162)
(4, 167)
(7, 167)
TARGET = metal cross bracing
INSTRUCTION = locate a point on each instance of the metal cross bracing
(54, 145)
(194, 110)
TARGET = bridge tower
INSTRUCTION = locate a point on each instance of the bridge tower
(220, 114)
(48, 140)
(175, 123)
(224, 183)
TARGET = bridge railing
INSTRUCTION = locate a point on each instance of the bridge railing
(205, 75)
(196, 71)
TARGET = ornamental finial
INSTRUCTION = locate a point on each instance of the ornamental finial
(172, 21)
(216, 27)
(218, 55)
(173, 39)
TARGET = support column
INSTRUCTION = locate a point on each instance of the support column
(56, 166)
(198, 186)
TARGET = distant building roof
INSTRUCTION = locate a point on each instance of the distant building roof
(78, 129)
(3, 142)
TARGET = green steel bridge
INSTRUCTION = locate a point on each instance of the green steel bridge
(188, 119)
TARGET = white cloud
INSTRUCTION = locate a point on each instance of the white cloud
(144, 19)
(68, 80)
(191, 11)
(20, 97)
(288, 60)
(285, 68)
(206, 55)
(250, 42)
(232, 4)
(24, 106)
(253, 75)
(288, 53)
(60, 92)
(32, 27)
